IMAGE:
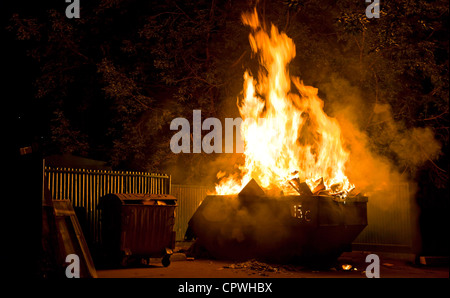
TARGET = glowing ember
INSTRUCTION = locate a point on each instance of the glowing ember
(286, 134)
(346, 267)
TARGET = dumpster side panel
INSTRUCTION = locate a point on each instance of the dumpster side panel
(147, 230)
(304, 228)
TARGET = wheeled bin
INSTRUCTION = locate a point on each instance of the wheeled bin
(137, 226)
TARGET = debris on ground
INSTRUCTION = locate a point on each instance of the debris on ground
(257, 267)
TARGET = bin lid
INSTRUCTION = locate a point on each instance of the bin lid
(141, 199)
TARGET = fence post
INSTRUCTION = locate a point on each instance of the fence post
(170, 185)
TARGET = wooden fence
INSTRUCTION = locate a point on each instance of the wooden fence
(391, 225)
(189, 197)
(392, 222)
(85, 187)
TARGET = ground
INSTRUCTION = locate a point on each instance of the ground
(354, 262)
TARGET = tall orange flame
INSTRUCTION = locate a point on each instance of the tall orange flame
(286, 135)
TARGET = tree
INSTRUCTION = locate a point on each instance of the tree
(112, 80)
(399, 61)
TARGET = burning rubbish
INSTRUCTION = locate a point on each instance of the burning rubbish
(346, 267)
(290, 144)
(297, 203)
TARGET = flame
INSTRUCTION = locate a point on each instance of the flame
(286, 134)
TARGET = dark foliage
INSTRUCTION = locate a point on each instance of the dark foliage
(111, 81)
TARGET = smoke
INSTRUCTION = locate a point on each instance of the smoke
(378, 165)
(381, 160)
(234, 228)
(384, 157)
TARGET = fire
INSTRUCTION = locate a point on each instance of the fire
(286, 133)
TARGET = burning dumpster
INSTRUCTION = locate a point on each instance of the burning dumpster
(138, 226)
(307, 228)
(298, 203)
